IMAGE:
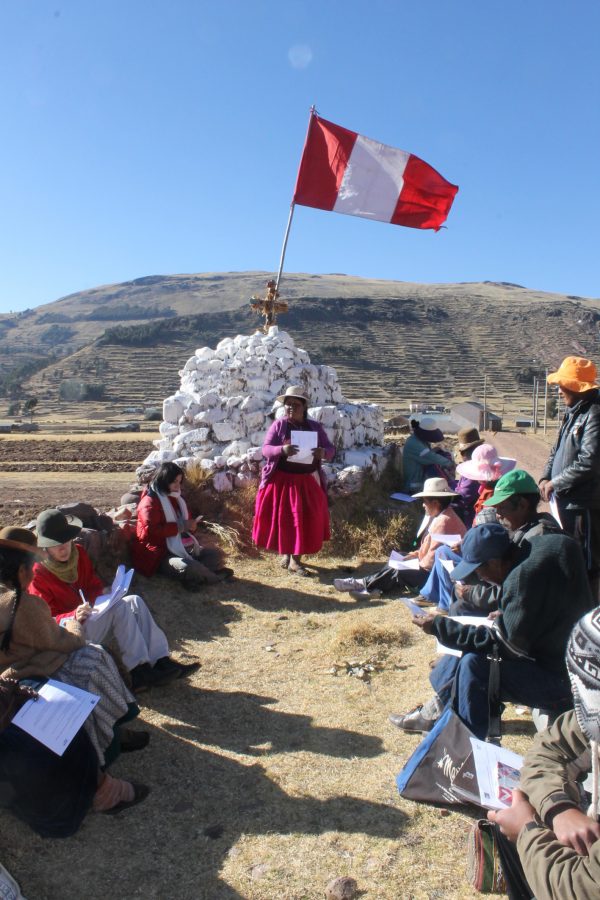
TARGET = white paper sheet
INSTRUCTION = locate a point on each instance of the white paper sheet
(424, 525)
(398, 561)
(405, 498)
(306, 441)
(464, 620)
(412, 607)
(486, 757)
(57, 715)
(449, 539)
(119, 589)
(554, 509)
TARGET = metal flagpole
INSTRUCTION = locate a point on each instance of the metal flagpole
(546, 401)
(285, 240)
(291, 215)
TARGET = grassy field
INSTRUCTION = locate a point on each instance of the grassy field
(272, 770)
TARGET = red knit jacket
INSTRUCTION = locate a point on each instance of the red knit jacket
(64, 598)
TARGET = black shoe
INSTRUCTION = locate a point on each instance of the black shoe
(186, 669)
(165, 664)
(140, 792)
(182, 670)
(133, 740)
(144, 677)
(413, 721)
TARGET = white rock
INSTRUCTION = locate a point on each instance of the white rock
(172, 410)
(204, 353)
(235, 448)
(222, 482)
(258, 437)
(167, 430)
(210, 416)
(228, 431)
(254, 421)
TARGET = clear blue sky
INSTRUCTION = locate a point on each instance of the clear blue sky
(146, 137)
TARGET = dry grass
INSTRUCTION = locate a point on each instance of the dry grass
(272, 771)
(364, 634)
(368, 524)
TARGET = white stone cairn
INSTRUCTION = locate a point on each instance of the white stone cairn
(227, 401)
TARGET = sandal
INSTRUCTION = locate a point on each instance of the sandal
(299, 570)
(284, 562)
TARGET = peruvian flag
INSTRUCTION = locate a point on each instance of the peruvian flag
(348, 173)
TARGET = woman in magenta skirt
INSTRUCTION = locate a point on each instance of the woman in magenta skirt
(291, 515)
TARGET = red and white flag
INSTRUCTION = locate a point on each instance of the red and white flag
(348, 173)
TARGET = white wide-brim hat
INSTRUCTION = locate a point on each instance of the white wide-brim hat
(294, 390)
(436, 487)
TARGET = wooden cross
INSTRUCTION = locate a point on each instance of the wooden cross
(269, 305)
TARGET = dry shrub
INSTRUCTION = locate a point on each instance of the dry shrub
(363, 635)
(363, 524)
(366, 524)
(231, 512)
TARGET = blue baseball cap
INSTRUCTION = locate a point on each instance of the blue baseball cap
(482, 543)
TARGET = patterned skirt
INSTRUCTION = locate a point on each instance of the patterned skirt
(291, 514)
(92, 669)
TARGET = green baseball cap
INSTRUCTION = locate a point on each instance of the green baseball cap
(516, 482)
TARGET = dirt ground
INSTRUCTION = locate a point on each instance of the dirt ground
(270, 775)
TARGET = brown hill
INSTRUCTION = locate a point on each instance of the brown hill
(390, 342)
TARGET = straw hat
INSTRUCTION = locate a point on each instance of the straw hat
(485, 464)
(575, 374)
(436, 487)
(294, 390)
(18, 539)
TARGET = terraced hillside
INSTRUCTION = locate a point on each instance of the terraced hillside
(432, 343)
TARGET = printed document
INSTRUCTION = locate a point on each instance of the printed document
(487, 757)
(119, 589)
(398, 561)
(449, 539)
(57, 715)
(306, 441)
(464, 620)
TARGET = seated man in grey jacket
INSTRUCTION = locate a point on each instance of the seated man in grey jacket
(559, 842)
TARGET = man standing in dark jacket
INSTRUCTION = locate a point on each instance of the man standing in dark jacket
(544, 592)
(572, 473)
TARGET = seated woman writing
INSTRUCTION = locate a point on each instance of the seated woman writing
(440, 519)
(65, 579)
(165, 539)
(33, 646)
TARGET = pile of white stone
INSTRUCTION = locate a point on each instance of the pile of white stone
(228, 399)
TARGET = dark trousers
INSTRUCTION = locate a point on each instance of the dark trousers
(465, 679)
(388, 579)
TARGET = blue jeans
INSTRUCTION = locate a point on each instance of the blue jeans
(521, 681)
(439, 586)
